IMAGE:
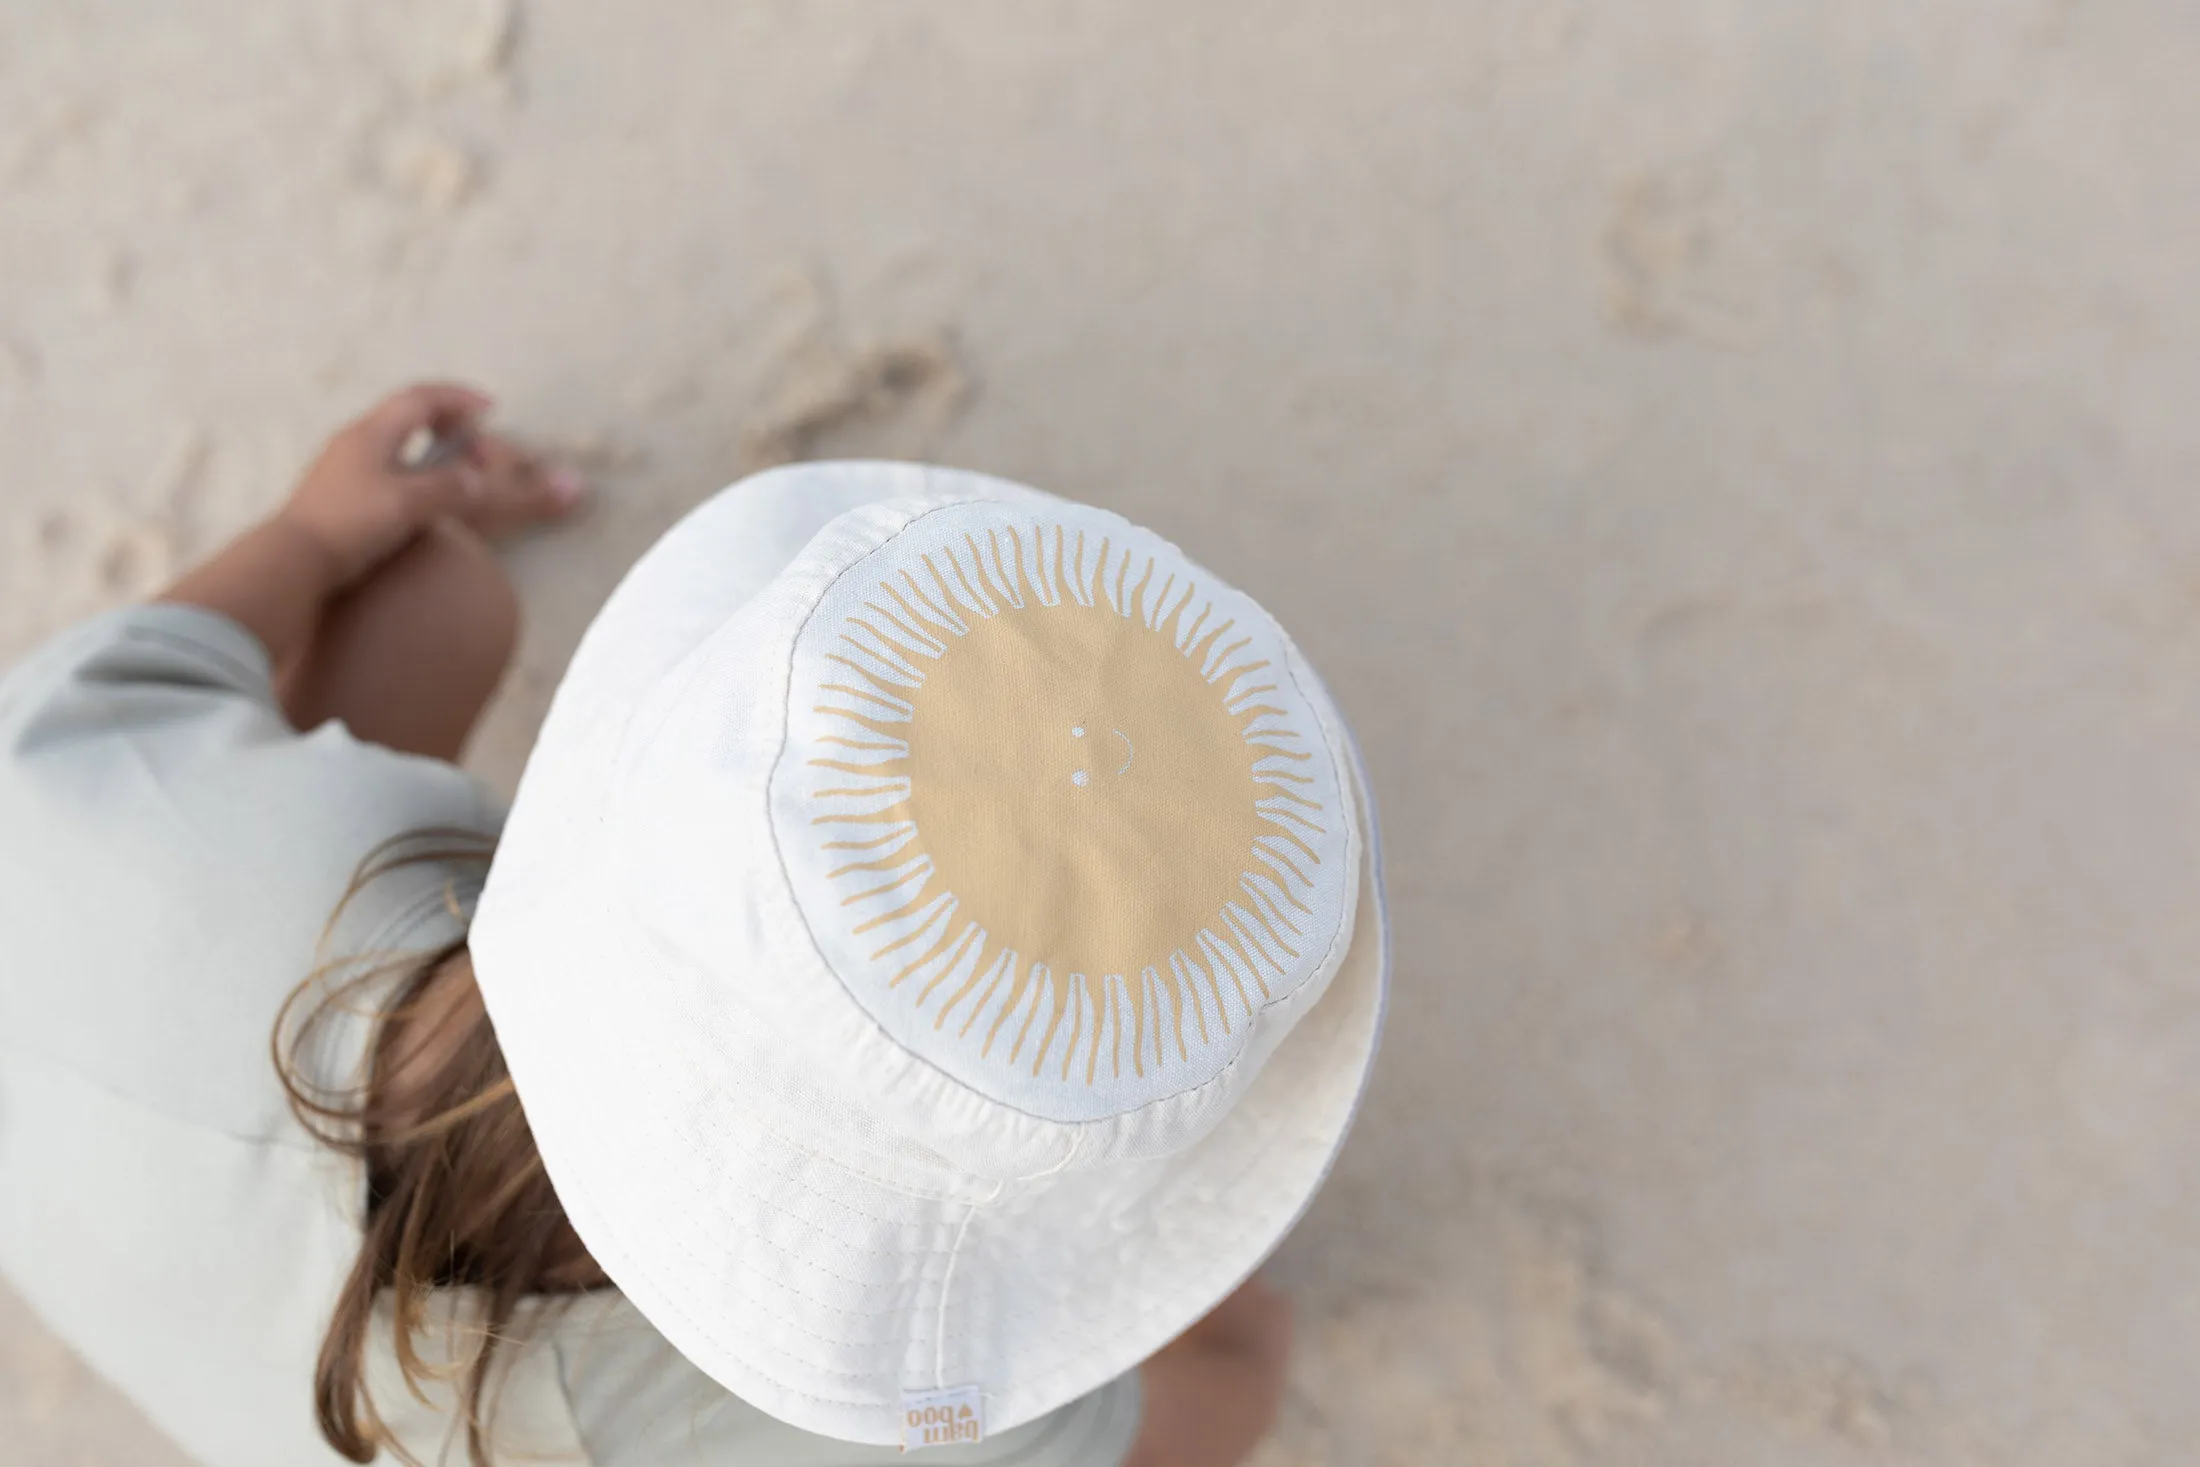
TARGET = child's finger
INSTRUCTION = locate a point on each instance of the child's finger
(520, 487)
(519, 490)
(442, 407)
(453, 489)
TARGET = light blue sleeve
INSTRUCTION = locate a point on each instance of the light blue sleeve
(171, 851)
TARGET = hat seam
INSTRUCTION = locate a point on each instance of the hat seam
(841, 1203)
(783, 1251)
(947, 1282)
(1139, 1315)
(779, 854)
(1254, 1156)
(764, 1122)
(736, 1138)
(1165, 1253)
(670, 1302)
(939, 1343)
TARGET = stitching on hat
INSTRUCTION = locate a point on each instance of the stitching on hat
(1254, 1156)
(809, 1332)
(763, 1123)
(1237, 928)
(939, 1337)
(668, 1303)
(771, 775)
(779, 855)
(785, 1252)
(844, 1205)
(854, 1169)
(1076, 1140)
(1135, 1322)
(1252, 1160)
(795, 1181)
(939, 1340)
(755, 1156)
(671, 1304)
(791, 1179)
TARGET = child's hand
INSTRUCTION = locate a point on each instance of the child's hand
(359, 505)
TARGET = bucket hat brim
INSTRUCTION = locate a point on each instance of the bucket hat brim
(790, 1248)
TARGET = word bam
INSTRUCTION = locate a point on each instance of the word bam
(941, 1418)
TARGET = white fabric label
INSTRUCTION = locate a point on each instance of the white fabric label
(942, 1418)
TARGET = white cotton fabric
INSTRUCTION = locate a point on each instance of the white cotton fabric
(811, 1206)
(169, 853)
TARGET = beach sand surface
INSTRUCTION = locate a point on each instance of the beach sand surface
(1735, 463)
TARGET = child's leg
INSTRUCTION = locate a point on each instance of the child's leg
(410, 656)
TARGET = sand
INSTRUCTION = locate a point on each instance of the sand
(1736, 463)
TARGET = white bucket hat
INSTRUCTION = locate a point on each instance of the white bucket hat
(945, 962)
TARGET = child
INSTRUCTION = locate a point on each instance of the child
(937, 946)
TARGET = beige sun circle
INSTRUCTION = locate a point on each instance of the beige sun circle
(1094, 819)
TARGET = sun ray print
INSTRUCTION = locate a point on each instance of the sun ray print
(1063, 800)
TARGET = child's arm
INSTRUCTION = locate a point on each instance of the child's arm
(1212, 1393)
(357, 506)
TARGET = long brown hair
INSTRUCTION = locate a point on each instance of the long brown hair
(456, 1194)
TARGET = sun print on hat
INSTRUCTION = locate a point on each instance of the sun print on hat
(1056, 808)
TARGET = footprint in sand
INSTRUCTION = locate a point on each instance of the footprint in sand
(917, 385)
